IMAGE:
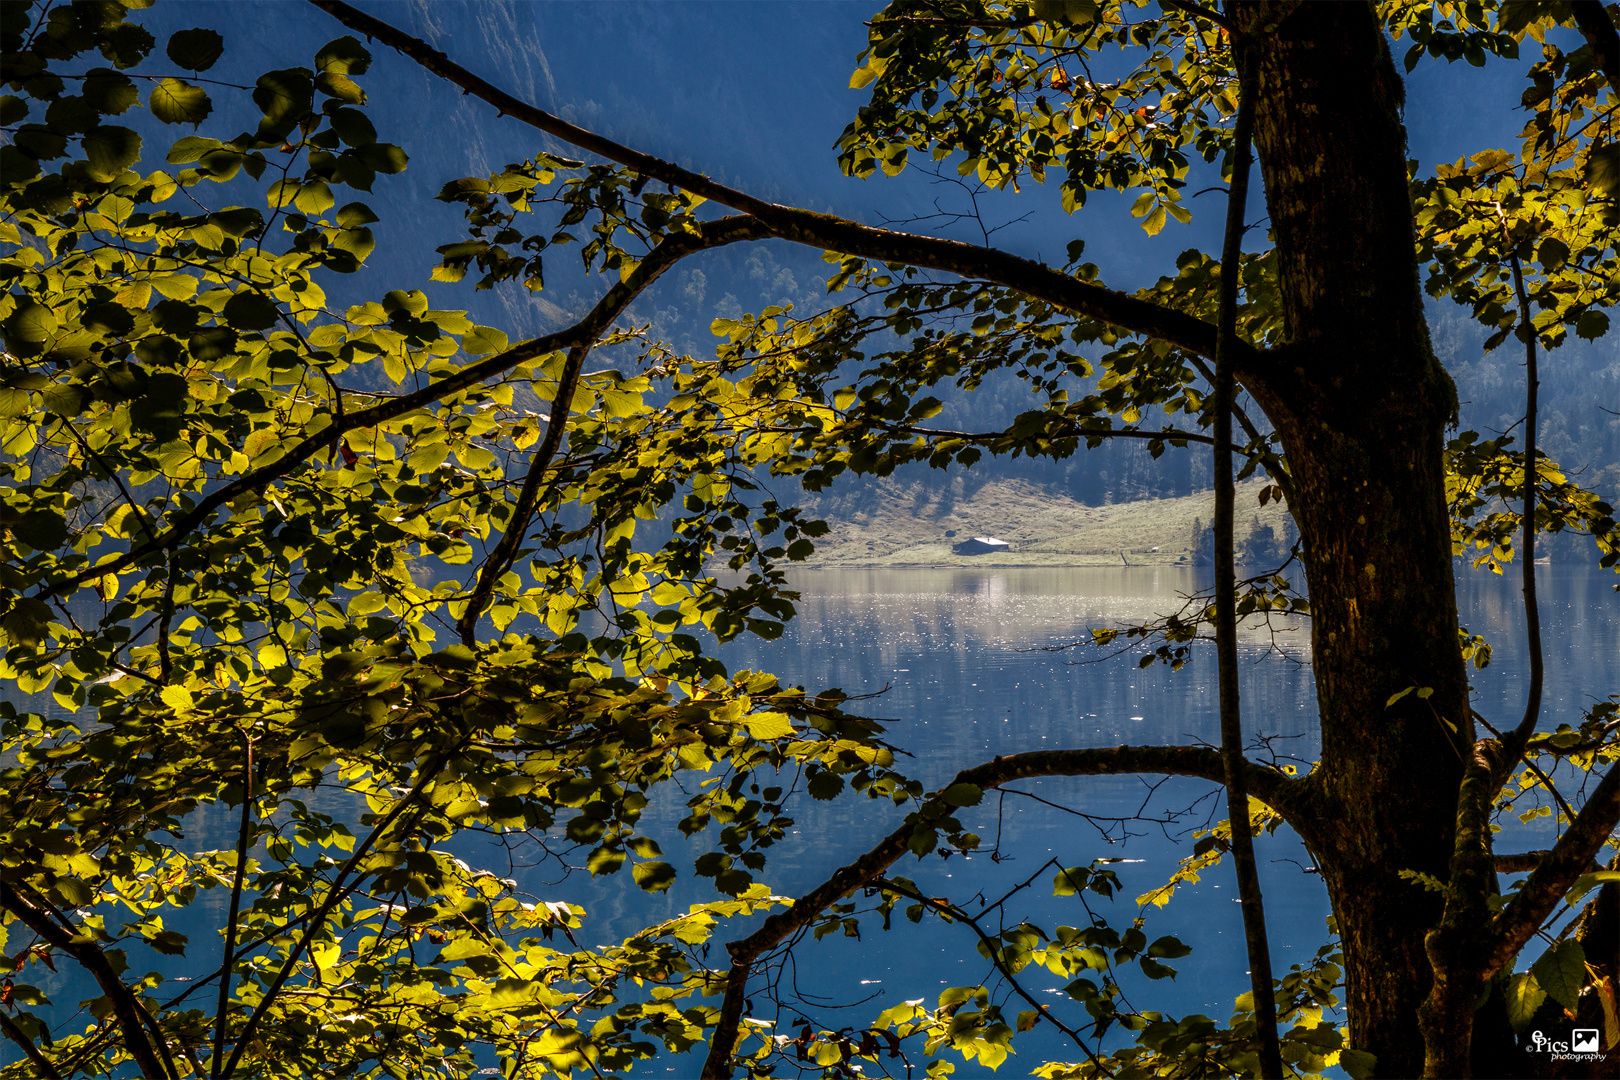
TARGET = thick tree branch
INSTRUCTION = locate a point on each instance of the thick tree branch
(90, 957)
(1569, 858)
(826, 231)
(711, 234)
(1280, 792)
(1522, 862)
(46, 1070)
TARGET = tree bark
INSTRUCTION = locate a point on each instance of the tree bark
(1361, 405)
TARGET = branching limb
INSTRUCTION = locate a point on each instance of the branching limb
(1041, 1011)
(1469, 946)
(1277, 790)
(611, 306)
(35, 914)
(1569, 858)
(47, 1071)
(500, 560)
(826, 231)
(335, 893)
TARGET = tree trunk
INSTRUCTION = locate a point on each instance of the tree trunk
(1361, 406)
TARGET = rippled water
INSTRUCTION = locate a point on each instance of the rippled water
(959, 663)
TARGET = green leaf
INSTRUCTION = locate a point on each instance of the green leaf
(284, 97)
(110, 150)
(177, 698)
(1155, 970)
(383, 157)
(42, 530)
(1561, 972)
(196, 49)
(249, 310)
(353, 127)
(1168, 948)
(1358, 1063)
(653, 876)
(605, 861)
(344, 55)
(481, 340)
(1069, 881)
(1524, 996)
(314, 197)
(108, 91)
(1552, 254)
(769, 725)
(1603, 169)
(212, 342)
(1587, 882)
(175, 102)
(962, 794)
(341, 87)
(1066, 12)
(126, 44)
(1592, 324)
(189, 148)
(353, 215)
(27, 622)
(29, 324)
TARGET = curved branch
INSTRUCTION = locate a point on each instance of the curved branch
(661, 258)
(1281, 792)
(611, 306)
(826, 231)
(500, 560)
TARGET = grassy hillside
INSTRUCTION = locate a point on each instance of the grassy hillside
(897, 524)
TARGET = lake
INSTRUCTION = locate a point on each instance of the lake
(958, 656)
(958, 661)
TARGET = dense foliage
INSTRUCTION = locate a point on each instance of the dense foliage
(374, 582)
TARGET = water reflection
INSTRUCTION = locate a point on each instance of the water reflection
(960, 663)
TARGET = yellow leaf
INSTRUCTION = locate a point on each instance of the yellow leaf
(177, 698)
(769, 725)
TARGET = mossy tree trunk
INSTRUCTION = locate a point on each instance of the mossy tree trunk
(1361, 405)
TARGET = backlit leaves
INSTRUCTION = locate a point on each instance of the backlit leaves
(196, 49)
(177, 102)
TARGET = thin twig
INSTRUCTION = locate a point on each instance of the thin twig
(1237, 794)
(242, 835)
